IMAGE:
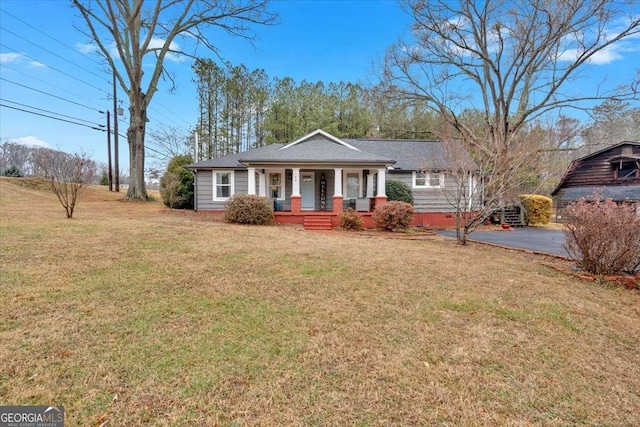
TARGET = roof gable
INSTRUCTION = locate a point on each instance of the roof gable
(312, 136)
(317, 149)
(604, 150)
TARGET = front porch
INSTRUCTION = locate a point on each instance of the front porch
(296, 191)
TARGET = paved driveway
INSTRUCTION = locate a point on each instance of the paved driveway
(535, 239)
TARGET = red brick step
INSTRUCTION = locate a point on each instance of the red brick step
(317, 223)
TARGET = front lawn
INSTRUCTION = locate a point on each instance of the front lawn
(131, 315)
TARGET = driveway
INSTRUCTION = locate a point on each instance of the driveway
(534, 239)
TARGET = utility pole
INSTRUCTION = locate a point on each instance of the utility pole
(197, 149)
(115, 133)
(109, 173)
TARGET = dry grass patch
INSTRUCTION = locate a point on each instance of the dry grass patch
(133, 316)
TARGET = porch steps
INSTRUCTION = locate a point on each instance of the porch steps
(317, 223)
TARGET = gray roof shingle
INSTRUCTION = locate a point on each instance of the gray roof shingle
(318, 149)
(415, 154)
(402, 154)
(231, 160)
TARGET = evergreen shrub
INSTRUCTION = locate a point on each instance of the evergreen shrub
(176, 185)
(14, 172)
(538, 209)
(398, 191)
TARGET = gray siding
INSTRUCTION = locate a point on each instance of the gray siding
(425, 199)
(428, 199)
(204, 189)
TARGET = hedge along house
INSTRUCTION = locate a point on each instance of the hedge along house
(313, 179)
(612, 173)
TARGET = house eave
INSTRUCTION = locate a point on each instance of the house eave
(316, 164)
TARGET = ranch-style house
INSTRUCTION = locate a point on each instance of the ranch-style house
(313, 179)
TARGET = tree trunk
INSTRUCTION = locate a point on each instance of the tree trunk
(135, 134)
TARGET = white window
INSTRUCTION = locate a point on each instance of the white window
(352, 185)
(436, 180)
(419, 180)
(223, 185)
(275, 185)
(428, 180)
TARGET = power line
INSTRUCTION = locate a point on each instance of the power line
(156, 103)
(49, 36)
(49, 94)
(49, 111)
(51, 117)
(166, 117)
(173, 112)
(53, 53)
(45, 82)
(54, 68)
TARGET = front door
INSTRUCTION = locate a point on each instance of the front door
(307, 190)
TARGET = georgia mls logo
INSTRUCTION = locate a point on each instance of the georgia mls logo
(31, 416)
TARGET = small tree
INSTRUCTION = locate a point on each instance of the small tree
(68, 175)
(604, 237)
(176, 185)
(171, 191)
(463, 189)
(398, 191)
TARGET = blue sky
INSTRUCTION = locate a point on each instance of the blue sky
(41, 65)
(315, 40)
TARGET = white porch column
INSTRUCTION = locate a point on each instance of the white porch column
(251, 181)
(381, 181)
(295, 191)
(370, 185)
(337, 182)
(262, 190)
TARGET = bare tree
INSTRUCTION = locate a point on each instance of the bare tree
(512, 61)
(139, 29)
(474, 186)
(462, 189)
(67, 174)
(167, 142)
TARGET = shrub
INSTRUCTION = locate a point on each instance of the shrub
(14, 172)
(393, 215)
(176, 185)
(104, 178)
(398, 191)
(351, 220)
(538, 209)
(249, 209)
(603, 236)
